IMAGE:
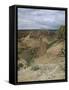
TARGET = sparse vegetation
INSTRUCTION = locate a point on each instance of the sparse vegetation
(20, 65)
(30, 53)
(29, 56)
(61, 33)
(35, 68)
(41, 53)
(62, 51)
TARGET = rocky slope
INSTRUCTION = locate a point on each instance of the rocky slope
(41, 57)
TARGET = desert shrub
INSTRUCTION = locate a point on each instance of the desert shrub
(20, 50)
(35, 68)
(29, 56)
(61, 33)
(29, 60)
(20, 65)
(63, 51)
(19, 53)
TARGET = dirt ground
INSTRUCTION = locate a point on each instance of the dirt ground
(50, 66)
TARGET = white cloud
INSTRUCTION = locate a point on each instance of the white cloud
(38, 19)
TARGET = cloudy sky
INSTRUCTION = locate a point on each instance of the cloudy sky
(40, 19)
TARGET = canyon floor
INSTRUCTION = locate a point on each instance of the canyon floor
(50, 66)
